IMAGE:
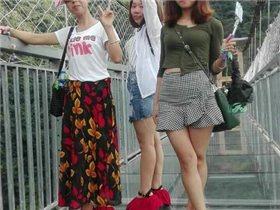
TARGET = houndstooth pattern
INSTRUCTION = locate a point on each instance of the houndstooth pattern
(187, 101)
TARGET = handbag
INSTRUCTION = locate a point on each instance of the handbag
(240, 91)
(56, 105)
(230, 120)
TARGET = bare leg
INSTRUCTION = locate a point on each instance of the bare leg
(157, 178)
(182, 145)
(145, 130)
(200, 141)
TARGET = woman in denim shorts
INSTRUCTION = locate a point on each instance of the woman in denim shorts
(143, 51)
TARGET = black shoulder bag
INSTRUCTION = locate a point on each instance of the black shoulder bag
(231, 120)
(56, 106)
(150, 44)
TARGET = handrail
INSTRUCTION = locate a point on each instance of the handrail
(29, 50)
(267, 68)
(41, 51)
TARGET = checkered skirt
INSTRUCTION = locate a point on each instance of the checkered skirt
(187, 101)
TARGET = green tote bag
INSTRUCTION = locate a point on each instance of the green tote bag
(231, 119)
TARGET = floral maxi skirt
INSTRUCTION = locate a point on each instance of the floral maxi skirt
(89, 159)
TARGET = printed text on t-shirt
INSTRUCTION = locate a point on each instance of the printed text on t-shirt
(78, 47)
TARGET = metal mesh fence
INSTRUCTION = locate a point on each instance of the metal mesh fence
(41, 16)
(268, 50)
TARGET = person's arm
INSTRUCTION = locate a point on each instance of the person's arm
(31, 38)
(156, 99)
(159, 76)
(151, 18)
(112, 45)
(162, 53)
(217, 64)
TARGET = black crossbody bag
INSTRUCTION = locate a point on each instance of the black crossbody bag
(56, 105)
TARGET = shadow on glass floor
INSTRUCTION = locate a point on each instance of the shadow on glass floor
(242, 174)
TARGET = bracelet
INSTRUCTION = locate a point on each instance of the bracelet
(116, 41)
(219, 66)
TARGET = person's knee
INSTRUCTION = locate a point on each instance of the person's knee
(188, 162)
(201, 160)
(145, 146)
(157, 144)
(146, 142)
(157, 137)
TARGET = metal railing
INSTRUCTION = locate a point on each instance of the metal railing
(264, 111)
(264, 75)
(262, 124)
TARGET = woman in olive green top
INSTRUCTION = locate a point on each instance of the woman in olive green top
(185, 106)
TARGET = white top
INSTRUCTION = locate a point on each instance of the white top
(130, 51)
(87, 52)
(142, 59)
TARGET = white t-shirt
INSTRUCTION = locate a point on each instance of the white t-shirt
(87, 52)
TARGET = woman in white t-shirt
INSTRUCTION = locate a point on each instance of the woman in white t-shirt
(89, 161)
(143, 52)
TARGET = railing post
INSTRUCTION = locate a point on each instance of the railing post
(249, 56)
(255, 43)
(46, 138)
(56, 138)
(39, 158)
(268, 13)
(8, 140)
(269, 108)
(260, 41)
(32, 196)
(19, 139)
(252, 53)
(1, 195)
(124, 117)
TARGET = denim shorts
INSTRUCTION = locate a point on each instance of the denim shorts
(141, 108)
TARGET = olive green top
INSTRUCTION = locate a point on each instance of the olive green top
(205, 41)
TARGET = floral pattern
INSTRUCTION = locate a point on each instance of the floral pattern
(89, 159)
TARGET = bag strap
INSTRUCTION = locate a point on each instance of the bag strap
(188, 49)
(152, 50)
(64, 52)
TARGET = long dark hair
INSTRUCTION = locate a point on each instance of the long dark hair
(200, 14)
(134, 24)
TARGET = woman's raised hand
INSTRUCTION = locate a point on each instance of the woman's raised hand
(229, 45)
(107, 16)
(5, 29)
